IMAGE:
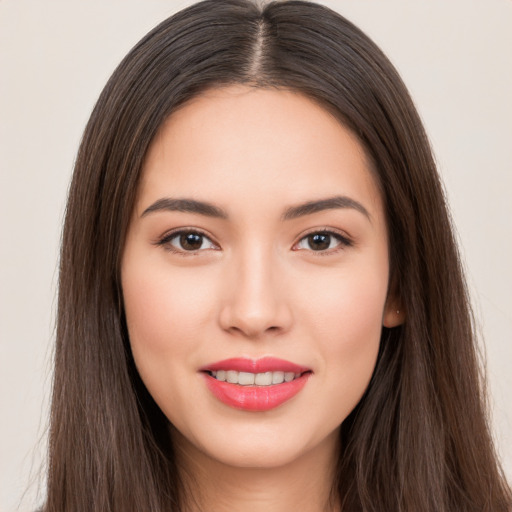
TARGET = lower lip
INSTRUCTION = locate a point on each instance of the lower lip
(255, 398)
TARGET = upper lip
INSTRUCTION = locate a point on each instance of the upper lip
(262, 365)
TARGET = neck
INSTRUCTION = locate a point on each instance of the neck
(303, 484)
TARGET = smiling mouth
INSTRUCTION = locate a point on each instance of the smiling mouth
(254, 379)
(255, 385)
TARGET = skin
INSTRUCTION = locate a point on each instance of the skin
(257, 287)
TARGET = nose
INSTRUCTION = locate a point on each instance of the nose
(255, 298)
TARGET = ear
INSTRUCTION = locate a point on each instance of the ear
(394, 314)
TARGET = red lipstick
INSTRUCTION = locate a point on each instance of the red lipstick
(255, 397)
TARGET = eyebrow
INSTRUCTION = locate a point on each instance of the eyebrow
(324, 204)
(293, 212)
(186, 205)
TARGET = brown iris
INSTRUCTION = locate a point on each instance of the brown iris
(319, 241)
(191, 241)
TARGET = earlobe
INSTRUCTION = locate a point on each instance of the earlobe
(394, 315)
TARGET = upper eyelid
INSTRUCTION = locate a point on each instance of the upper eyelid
(344, 240)
(169, 235)
(330, 231)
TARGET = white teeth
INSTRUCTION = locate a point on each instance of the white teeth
(232, 376)
(263, 379)
(254, 379)
(277, 377)
(246, 379)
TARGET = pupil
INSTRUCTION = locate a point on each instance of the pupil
(319, 242)
(191, 241)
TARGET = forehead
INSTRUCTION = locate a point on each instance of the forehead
(242, 146)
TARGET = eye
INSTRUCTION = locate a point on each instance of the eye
(322, 241)
(187, 241)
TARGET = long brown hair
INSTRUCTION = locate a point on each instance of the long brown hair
(419, 439)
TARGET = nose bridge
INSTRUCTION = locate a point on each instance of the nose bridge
(254, 301)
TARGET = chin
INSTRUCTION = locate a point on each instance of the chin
(254, 448)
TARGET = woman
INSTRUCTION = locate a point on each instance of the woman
(261, 303)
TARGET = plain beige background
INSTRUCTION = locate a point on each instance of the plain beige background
(55, 56)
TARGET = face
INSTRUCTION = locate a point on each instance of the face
(255, 275)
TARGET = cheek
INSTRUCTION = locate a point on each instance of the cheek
(347, 320)
(349, 306)
(165, 313)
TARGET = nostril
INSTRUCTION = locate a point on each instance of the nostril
(244, 315)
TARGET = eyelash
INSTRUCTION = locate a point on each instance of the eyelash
(343, 242)
(165, 242)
